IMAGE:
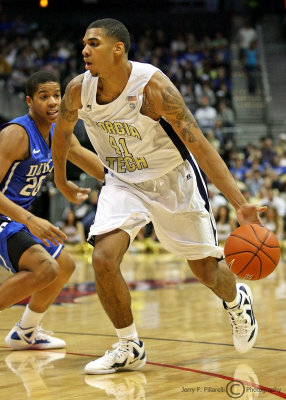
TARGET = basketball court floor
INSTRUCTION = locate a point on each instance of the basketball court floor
(187, 334)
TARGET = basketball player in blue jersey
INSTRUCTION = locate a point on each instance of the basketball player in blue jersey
(30, 247)
(155, 153)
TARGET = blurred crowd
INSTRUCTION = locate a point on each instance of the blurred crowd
(200, 68)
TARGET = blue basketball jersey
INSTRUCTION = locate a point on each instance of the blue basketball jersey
(24, 178)
(22, 183)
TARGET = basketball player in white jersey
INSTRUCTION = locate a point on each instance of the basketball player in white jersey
(154, 154)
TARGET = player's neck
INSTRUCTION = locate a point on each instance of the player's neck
(43, 127)
(115, 82)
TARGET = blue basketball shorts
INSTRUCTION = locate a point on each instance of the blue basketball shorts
(9, 229)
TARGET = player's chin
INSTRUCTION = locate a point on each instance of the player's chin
(52, 117)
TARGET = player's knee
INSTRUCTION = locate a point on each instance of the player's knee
(102, 265)
(206, 271)
(68, 267)
(47, 272)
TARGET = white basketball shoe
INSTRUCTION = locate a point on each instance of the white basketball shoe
(127, 355)
(244, 324)
(35, 338)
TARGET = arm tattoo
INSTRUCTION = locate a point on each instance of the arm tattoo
(176, 109)
(69, 115)
(148, 107)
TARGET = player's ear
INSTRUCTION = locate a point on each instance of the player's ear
(119, 48)
(29, 101)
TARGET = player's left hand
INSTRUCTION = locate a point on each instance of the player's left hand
(249, 214)
(74, 193)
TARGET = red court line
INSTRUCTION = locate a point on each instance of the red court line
(197, 371)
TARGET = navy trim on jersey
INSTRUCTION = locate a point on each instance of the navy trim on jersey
(201, 181)
(174, 138)
(202, 186)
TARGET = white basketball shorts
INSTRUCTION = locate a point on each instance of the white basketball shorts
(176, 203)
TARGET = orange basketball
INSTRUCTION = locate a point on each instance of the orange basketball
(252, 252)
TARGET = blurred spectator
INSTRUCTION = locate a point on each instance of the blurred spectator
(188, 95)
(89, 217)
(178, 45)
(238, 168)
(205, 90)
(40, 41)
(210, 135)
(268, 152)
(222, 83)
(225, 114)
(254, 181)
(206, 114)
(281, 145)
(272, 198)
(224, 224)
(251, 66)
(246, 34)
(72, 228)
(216, 199)
(273, 221)
(5, 67)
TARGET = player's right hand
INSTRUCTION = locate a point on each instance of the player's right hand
(44, 230)
(74, 193)
(249, 214)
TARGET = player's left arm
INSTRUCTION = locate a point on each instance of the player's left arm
(163, 99)
(85, 159)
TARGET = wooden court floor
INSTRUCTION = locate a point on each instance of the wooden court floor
(187, 334)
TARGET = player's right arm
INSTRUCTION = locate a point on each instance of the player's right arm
(14, 146)
(62, 138)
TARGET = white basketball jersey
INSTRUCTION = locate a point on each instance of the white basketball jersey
(132, 146)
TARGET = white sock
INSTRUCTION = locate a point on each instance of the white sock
(129, 333)
(30, 318)
(235, 302)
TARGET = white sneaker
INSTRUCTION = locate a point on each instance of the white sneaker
(244, 325)
(127, 355)
(35, 338)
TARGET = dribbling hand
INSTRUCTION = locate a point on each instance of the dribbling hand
(249, 214)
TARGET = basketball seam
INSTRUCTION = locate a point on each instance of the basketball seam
(260, 269)
(248, 241)
(267, 234)
(262, 243)
(258, 248)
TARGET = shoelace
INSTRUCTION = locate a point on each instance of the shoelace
(120, 348)
(40, 334)
(239, 322)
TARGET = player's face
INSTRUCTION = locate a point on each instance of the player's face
(98, 52)
(46, 102)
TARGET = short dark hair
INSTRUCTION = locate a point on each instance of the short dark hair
(115, 29)
(35, 79)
